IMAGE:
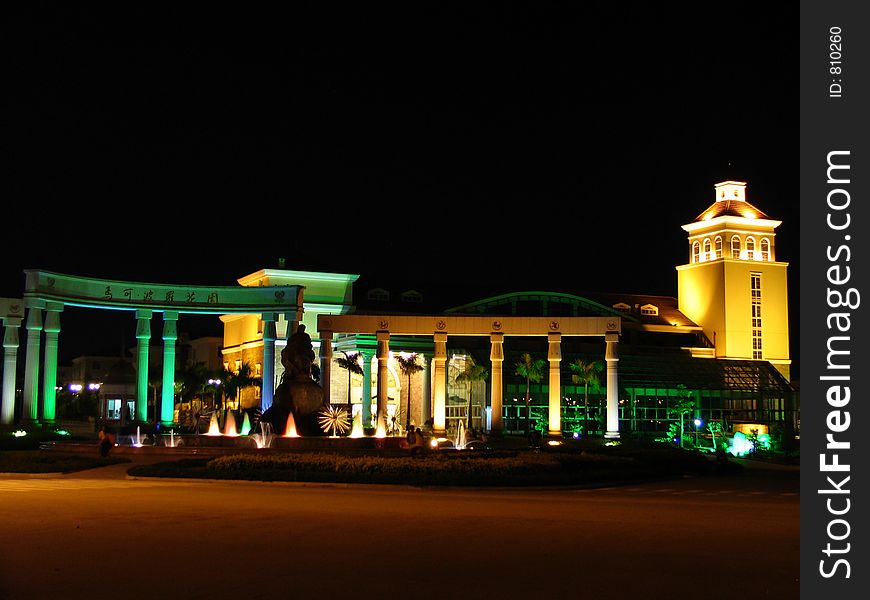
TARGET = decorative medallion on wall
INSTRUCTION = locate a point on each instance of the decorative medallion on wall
(496, 326)
(611, 325)
(440, 325)
(50, 282)
(554, 325)
(383, 324)
(15, 309)
(327, 324)
(279, 295)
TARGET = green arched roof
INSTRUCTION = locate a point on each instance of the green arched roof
(578, 305)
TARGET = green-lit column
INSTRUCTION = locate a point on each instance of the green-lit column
(439, 402)
(143, 343)
(10, 366)
(383, 381)
(326, 365)
(49, 377)
(270, 334)
(554, 357)
(167, 399)
(496, 357)
(31, 362)
(367, 388)
(612, 358)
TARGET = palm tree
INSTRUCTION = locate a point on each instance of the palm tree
(472, 372)
(531, 369)
(585, 373)
(350, 361)
(409, 366)
(234, 383)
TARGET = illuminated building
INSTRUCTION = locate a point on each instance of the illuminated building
(723, 341)
(733, 285)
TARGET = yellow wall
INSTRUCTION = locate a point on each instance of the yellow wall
(239, 329)
(701, 297)
(716, 295)
(774, 309)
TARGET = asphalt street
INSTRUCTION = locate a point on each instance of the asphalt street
(71, 536)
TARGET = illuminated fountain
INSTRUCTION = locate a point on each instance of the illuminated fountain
(214, 427)
(137, 441)
(357, 428)
(265, 437)
(290, 429)
(230, 425)
(459, 441)
(246, 426)
(171, 442)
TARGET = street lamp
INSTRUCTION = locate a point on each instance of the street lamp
(698, 423)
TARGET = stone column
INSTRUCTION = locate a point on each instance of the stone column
(10, 367)
(167, 398)
(49, 377)
(31, 365)
(143, 341)
(383, 381)
(439, 409)
(612, 358)
(496, 357)
(270, 334)
(326, 365)
(426, 400)
(366, 398)
(554, 356)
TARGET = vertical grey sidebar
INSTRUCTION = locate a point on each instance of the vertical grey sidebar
(835, 298)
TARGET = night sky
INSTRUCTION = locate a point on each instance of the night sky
(476, 150)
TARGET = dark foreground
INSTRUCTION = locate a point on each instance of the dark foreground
(70, 536)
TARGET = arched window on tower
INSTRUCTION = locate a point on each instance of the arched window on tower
(696, 248)
(750, 248)
(765, 249)
(718, 246)
(708, 255)
(735, 246)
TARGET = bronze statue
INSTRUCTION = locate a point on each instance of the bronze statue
(298, 393)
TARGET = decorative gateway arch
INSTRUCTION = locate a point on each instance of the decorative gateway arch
(496, 328)
(48, 293)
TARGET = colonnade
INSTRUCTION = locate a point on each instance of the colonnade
(47, 293)
(608, 328)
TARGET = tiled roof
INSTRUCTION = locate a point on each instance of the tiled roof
(731, 208)
(667, 305)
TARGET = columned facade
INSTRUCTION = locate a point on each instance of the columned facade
(31, 367)
(367, 387)
(439, 416)
(554, 357)
(49, 377)
(143, 341)
(426, 406)
(167, 398)
(612, 359)
(49, 292)
(496, 329)
(11, 311)
(383, 381)
(326, 365)
(496, 357)
(270, 335)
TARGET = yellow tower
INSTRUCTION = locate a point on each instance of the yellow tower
(733, 286)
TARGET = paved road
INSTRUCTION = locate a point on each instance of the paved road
(69, 536)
